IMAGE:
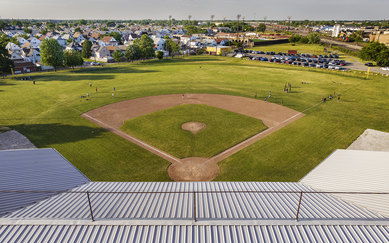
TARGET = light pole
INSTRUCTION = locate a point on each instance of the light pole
(289, 17)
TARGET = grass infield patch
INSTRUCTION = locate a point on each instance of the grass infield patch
(223, 130)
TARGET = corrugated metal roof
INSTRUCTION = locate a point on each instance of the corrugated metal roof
(34, 169)
(201, 234)
(356, 171)
(180, 206)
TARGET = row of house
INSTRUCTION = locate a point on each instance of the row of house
(25, 52)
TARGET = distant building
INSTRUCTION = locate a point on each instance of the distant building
(336, 30)
(380, 36)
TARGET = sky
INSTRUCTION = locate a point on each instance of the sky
(199, 9)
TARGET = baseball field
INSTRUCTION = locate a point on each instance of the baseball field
(250, 139)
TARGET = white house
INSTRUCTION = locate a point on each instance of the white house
(21, 40)
(159, 43)
(78, 37)
(35, 43)
(108, 41)
(102, 52)
(31, 55)
(13, 47)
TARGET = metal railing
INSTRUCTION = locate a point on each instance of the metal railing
(87, 193)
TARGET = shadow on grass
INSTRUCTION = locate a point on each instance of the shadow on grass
(67, 77)
(112, 70)
(44, 135)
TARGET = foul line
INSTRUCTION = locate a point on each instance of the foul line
(252, 139)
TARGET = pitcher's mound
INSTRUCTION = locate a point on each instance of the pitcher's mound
(193, 127)
(193, 169)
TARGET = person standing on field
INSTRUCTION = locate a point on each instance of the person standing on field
(90, 84)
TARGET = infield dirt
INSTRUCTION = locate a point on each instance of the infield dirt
(113, 116)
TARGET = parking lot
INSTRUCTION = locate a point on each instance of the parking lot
(330, 61)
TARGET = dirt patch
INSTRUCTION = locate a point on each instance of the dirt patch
(193, 169)
(193, 127)
(113, 116)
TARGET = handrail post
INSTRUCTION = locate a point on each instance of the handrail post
(90, 206)
(194, 206)
(298, 208)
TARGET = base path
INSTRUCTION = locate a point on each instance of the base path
(114, 115)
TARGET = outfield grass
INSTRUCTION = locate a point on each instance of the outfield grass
(48, 113)
(162, 129)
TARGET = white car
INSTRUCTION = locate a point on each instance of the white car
(385, 68)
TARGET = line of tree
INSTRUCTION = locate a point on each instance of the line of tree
(311, 38)
(53, 55)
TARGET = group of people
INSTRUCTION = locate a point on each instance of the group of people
(90, 85)
(330, 97)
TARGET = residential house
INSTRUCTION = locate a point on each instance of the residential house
(60, 40)
(21, 40)
(13, 48)
(35, 43)
(95, 35)
(74, 46)
(78, 37)
(108, 41)
(31, 55)
(102, 52)
(21, 65)
(159, 43)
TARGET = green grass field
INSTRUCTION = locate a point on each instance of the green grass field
(300, 48)
(48, 113)
(162, 129)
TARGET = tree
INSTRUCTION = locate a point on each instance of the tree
(383, 58)
(51, 53)
(117, 55)
(146, 45)
(313, 38)
(295, 38)
(78, 29)
(262, 28)
(170, 46)
(72, 58)
(82, 22)
(5, 63)
(371, 51)
(3, 25)
(111, 24)
(159, 55)
(117, 36)
(86, 51)
(133, 53)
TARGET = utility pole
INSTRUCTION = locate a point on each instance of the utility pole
(237, 26)
(170, 21)
(189, 17)
(265, 18)
(289, 17)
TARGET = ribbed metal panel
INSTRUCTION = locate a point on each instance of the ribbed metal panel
(200, 234)
(34, 169)
(355, 171)
(209, 206)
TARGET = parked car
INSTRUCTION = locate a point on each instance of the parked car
(369, 64)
